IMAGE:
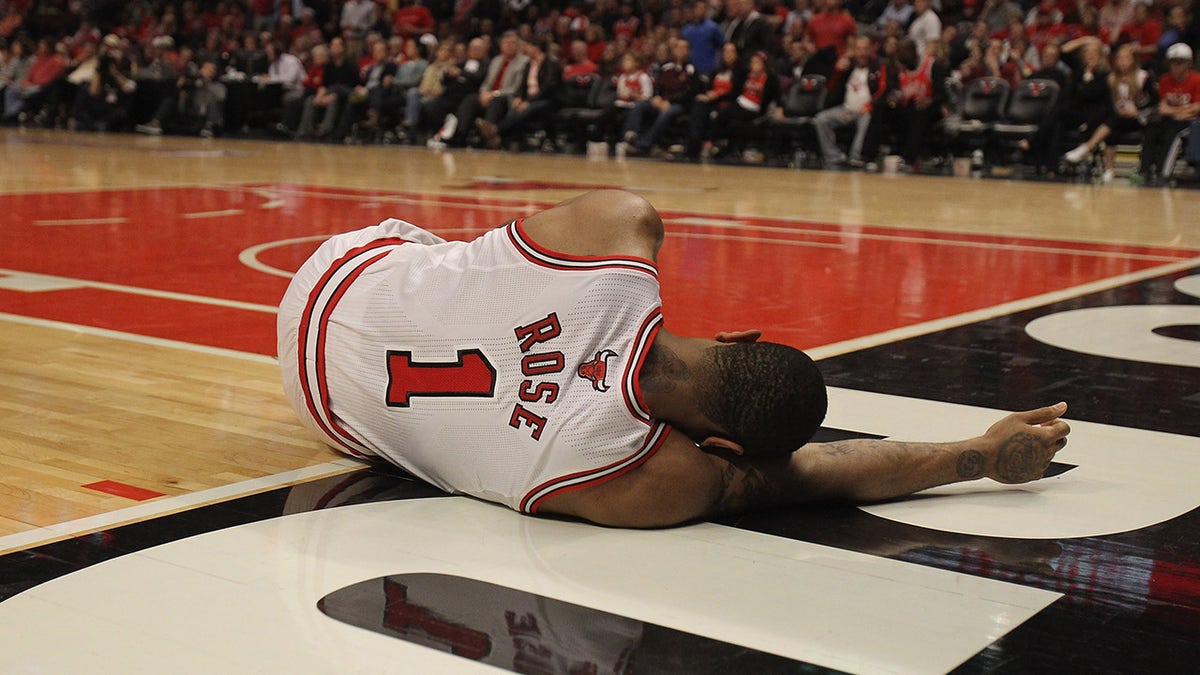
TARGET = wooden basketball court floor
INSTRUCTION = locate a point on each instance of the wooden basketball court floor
(161, 510)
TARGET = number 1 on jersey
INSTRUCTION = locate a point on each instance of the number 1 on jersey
(472, 375)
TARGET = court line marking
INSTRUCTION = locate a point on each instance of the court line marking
(161, 507)
(212, 214)
(1003, 309)
(116, 220)
(134, 337)
(741, 225)
(150, 292)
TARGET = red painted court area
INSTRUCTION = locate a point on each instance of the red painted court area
(206, 265)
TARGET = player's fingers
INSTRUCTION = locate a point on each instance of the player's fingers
(1042, 415)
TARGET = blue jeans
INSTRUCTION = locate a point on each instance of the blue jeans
(662, 120)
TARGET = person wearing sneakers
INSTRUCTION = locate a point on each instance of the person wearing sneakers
(1178, 107)
(1132, 92)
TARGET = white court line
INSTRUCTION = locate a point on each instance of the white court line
(116, 220)
(897, 334)
(142, 339)
(991, 246)
(160, 507)
(212, 214)
(150, 292)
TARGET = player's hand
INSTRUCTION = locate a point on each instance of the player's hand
(1020, 446)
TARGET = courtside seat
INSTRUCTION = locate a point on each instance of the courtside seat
(983, 104)
(801, 103)
(585, 106)
(1028, 107)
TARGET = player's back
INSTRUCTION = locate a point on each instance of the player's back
(490, 367)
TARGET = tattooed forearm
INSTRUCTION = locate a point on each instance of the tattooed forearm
(971, 465)
(662, 370)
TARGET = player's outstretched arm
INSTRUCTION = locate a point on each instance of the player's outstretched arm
(683, 482)
(1016, 449)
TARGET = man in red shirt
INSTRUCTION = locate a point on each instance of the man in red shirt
(412, 19)
(1144, 32)
(831, 27)
(1178, 107)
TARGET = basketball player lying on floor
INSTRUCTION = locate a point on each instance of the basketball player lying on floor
(530, 367)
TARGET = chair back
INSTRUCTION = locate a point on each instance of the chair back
(984, 99)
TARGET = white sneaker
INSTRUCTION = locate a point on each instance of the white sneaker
(1078, 154)
(152, 129)
(448, 128)
(1107, 176)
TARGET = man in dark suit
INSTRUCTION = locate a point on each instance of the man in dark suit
(536, 99)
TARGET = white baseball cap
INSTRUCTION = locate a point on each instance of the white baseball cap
(1179, 50)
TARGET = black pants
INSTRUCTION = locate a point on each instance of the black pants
(905, 126)
(1156, 142)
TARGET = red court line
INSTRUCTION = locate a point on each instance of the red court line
(112, 487)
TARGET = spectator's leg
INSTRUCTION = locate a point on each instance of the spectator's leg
(697, 127)
(633, 122)
(917, 125)
(826, 124)
(861, 123)
(664, 120)
(412, 108)
(467, 112)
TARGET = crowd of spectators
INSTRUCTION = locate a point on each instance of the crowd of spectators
(687, 79)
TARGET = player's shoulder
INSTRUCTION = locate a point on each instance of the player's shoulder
(602, 223)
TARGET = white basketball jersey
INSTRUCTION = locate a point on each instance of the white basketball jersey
(494, 368)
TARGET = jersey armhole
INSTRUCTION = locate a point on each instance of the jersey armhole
(546, 257)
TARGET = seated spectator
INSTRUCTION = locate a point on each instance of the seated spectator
(338, 79)
(105, 104)
(314, 80)
(795, 22)
(757, 89)
(673, 93)
(24, 98)
(500, 84)
(249, 59)
(161, 64)
(998, 14)
(910, 107)
(1178, 107)
(633, 86)
(858, 84)
(60, 94)
(708, 103)
(431, 86)
(898, 11)
(1176, 28)
(1132, 92)
(1083, 105)
(578, 64)
(197, 107)
(830, 28)
(1143, 31)
(1050, 66)
(14, 66)
(992, 64)
(1114, 16)
(461, 80)
(536, 100)
(284, 69)
(365, 101)
(412, 20)
(926, 26)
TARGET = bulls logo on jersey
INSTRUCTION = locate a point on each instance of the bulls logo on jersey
(596, 370)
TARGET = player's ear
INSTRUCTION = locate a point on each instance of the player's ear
(751, 335)
(723, 444)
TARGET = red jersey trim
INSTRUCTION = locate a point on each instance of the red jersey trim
(314, 322)
(533, 500)
(540, 255)
(631, 389)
